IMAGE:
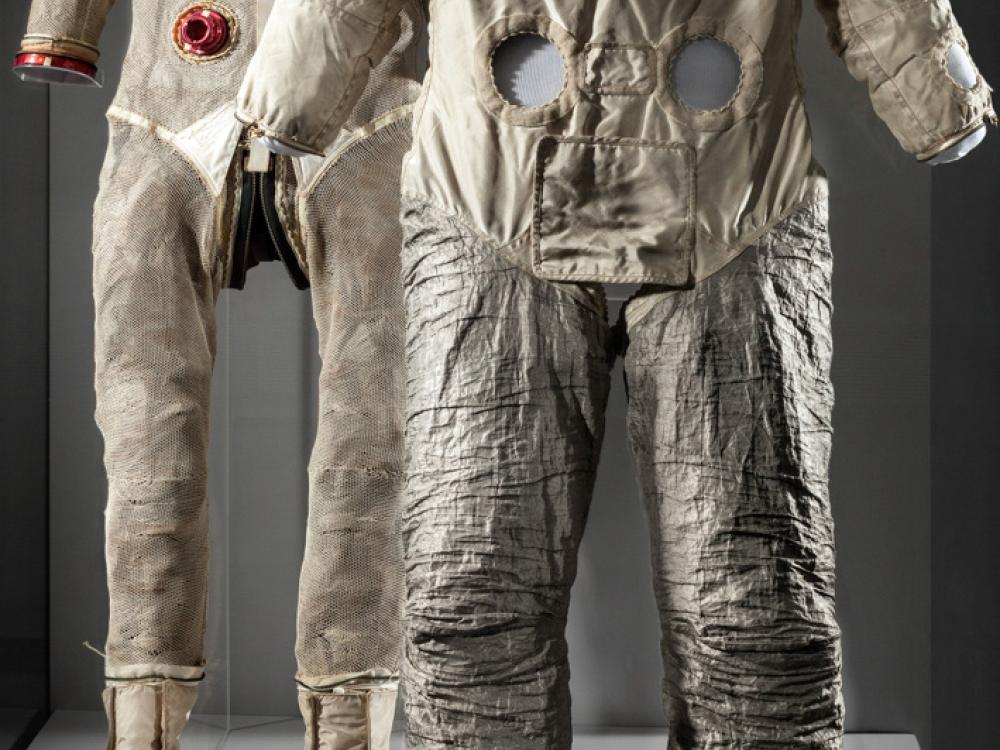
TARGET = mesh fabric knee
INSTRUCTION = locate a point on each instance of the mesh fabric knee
(351, 583)
(155, 282)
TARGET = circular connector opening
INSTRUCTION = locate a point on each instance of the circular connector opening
(528, 70)
(705, 74)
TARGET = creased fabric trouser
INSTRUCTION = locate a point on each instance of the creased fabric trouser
(730, 424)
(159, 265)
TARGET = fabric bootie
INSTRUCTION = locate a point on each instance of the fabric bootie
(147, 715)
(348, 719)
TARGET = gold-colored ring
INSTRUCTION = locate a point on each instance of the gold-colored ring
(231, 40)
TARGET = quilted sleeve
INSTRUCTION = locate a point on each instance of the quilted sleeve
(915, 59)
(311, 66)
(66, 28)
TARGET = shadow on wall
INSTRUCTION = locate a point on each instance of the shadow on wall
(24, 679)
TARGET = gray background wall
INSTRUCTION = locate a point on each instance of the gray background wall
(965, 402)
(264, 415)
(23, 420)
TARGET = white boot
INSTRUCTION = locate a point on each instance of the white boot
(148, 715)
(348, 719)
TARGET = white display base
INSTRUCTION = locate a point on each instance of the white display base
(84, 730)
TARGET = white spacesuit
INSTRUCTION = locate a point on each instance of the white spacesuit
(514, 213)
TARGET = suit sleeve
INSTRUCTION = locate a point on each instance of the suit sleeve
(312, 65)
(908, 52)
(67, 28)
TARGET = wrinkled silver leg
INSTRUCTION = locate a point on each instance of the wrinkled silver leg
(507, 383)
(730, 424)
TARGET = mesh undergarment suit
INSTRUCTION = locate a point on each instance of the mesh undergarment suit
(187, 204)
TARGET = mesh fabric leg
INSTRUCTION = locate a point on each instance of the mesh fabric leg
(730, 424)
(350, 593)
(507, 380)
(156, 279)
(350, 587)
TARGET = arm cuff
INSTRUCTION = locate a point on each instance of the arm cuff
(946, 143)
(42, 67)
(50, 45)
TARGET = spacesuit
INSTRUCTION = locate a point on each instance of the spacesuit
(514, 215)
(188, 203)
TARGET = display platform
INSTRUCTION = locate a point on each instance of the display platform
(84, 730)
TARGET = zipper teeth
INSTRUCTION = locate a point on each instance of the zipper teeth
(286, 260)
(249, 230)
(267, 218)
(276, 235)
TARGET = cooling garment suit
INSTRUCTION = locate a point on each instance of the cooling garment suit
(187, 204)
(513, 216)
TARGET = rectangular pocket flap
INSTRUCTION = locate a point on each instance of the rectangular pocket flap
(614, 210)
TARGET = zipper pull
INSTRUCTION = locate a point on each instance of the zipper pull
(258, 157)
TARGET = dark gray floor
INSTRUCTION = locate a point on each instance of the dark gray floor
(84, 730)
(14, 723)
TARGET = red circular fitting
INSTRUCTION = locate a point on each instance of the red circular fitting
(25, 60)
(201, 31)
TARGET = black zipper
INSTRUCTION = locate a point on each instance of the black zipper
(269, 208)
(244, 232)
(259, 195)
